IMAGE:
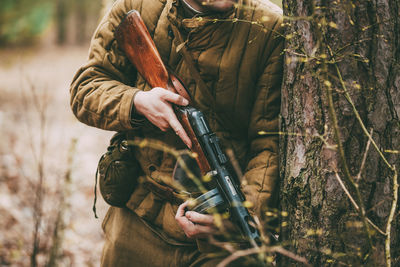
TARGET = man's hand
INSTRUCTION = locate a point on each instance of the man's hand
(194, 224)
(156, 106)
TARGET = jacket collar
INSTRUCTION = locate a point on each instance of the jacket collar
(189, 11)
(181, 18)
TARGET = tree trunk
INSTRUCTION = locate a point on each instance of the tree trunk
(341, 83)
(61, 21)
(81, 11)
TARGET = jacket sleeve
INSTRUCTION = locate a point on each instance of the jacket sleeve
(101, 95)
(260, 183)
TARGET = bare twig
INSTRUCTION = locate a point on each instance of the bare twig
(291, 255)
(391, 167)
(319, 136)
(158, 145)
(364, 157)
(355, 204)
(235, 163)
(60, 220)
(238, 254)
(40, 105)
(347, 174)
(356, 113)
(391, 216)
(236, 20)
(251, 251)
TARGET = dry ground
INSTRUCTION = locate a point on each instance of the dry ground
(44, 74)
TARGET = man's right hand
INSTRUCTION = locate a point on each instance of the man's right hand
(156, 106)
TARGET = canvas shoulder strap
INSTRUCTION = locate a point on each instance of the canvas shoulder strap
(180, 44)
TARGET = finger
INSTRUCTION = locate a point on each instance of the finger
(175, 98)
(196, 231)
(178, 129)
(185, 223)
(181, 209)
(192, 230)
(203, 230)
(162, 125)
(199, 231)
(198, 218)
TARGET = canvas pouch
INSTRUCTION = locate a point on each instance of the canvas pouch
(118, 171)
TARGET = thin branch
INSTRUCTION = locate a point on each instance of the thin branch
(380, 203)
(291, 255)
(238, 254)
(348, 98)
(391, 216)
(235, 164)
(351, 44)
(364, 157)
(235, 20)
(347, 192)
(347, 173)
(392, 167)
(251, 251)
(355, 204)
(158, 145)
(392, 151)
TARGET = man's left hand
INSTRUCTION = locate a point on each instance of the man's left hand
(194, 224)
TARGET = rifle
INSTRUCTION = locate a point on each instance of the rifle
(134, 39)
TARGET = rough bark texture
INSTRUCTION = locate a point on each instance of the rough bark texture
(364, 37)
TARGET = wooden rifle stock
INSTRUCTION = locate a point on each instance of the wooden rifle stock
(134, 39)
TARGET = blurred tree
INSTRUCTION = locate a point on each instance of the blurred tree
(61, 21)
(86, 16)
(82, 8)
(76, 19)
(21, 21)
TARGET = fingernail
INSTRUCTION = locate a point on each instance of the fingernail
(188, 143)
(188, 214)
(185, 102)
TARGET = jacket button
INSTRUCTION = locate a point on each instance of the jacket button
(152, 168)
(170, 33)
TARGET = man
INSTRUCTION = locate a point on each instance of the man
(237, 49)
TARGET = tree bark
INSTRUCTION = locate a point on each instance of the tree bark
(341, 82)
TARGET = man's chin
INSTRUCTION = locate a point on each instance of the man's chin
(219, 6)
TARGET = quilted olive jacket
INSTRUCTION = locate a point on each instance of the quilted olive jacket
(239, 57)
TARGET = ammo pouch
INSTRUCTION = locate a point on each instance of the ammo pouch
(118, 171)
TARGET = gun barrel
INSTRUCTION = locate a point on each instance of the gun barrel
(226, 183)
